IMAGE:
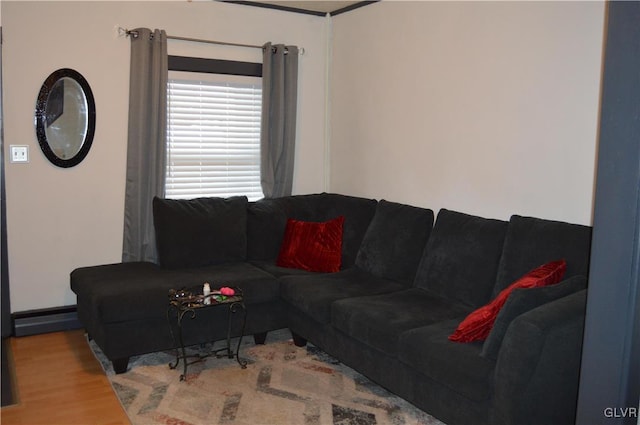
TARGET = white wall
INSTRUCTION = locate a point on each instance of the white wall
(484, 107)
(489, 108)
(60, 219)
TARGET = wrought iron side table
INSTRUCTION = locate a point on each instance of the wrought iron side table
(187, 302)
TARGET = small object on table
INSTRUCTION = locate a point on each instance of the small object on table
(206, 291)
(229, 292)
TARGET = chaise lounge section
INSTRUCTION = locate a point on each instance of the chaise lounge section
(226, 242)
(405, 283)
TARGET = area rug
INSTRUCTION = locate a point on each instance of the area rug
(281, 385)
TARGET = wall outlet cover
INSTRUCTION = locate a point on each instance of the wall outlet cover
(19, 154)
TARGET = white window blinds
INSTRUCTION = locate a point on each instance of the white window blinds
(213, 138)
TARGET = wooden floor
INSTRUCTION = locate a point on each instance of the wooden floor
(59, 381)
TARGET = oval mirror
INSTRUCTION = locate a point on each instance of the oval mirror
(65, 118)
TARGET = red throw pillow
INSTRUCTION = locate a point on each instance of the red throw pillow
(316, 247)
(477, 325)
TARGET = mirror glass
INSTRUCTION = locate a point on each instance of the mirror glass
(65, 118)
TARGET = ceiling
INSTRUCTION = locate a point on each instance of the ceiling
(311, 7)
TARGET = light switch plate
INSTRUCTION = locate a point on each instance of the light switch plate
(19, 153)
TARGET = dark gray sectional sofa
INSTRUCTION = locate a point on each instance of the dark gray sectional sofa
(405, 283)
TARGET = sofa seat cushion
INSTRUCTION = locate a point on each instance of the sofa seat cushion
(136, 291)
(123, 291)
(456, 366)
(461, 258)
(313, 294)
(378, 320)
(87, 282)
(274, 270)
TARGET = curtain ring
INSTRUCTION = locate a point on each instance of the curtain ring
(285, 50)
(274, 49)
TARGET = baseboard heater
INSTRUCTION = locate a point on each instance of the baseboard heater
(46, 320)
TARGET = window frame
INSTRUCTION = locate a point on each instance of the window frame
(212, 66)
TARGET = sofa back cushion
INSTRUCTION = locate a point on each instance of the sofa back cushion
(395, 241)
(533, 241)
(461, 258)
(200, 232)
(266, 222)
(320, 207)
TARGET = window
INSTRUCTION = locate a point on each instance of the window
(213, 135)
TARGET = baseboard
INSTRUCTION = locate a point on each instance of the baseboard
(46, 320)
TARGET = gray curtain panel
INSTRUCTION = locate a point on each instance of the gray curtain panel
(278, 126)
(146, 153)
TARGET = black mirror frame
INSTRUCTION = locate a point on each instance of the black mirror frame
(40, 117)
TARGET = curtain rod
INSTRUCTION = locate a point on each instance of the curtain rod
(125, 32)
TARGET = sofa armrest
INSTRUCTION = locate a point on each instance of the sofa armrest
(537, 372)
